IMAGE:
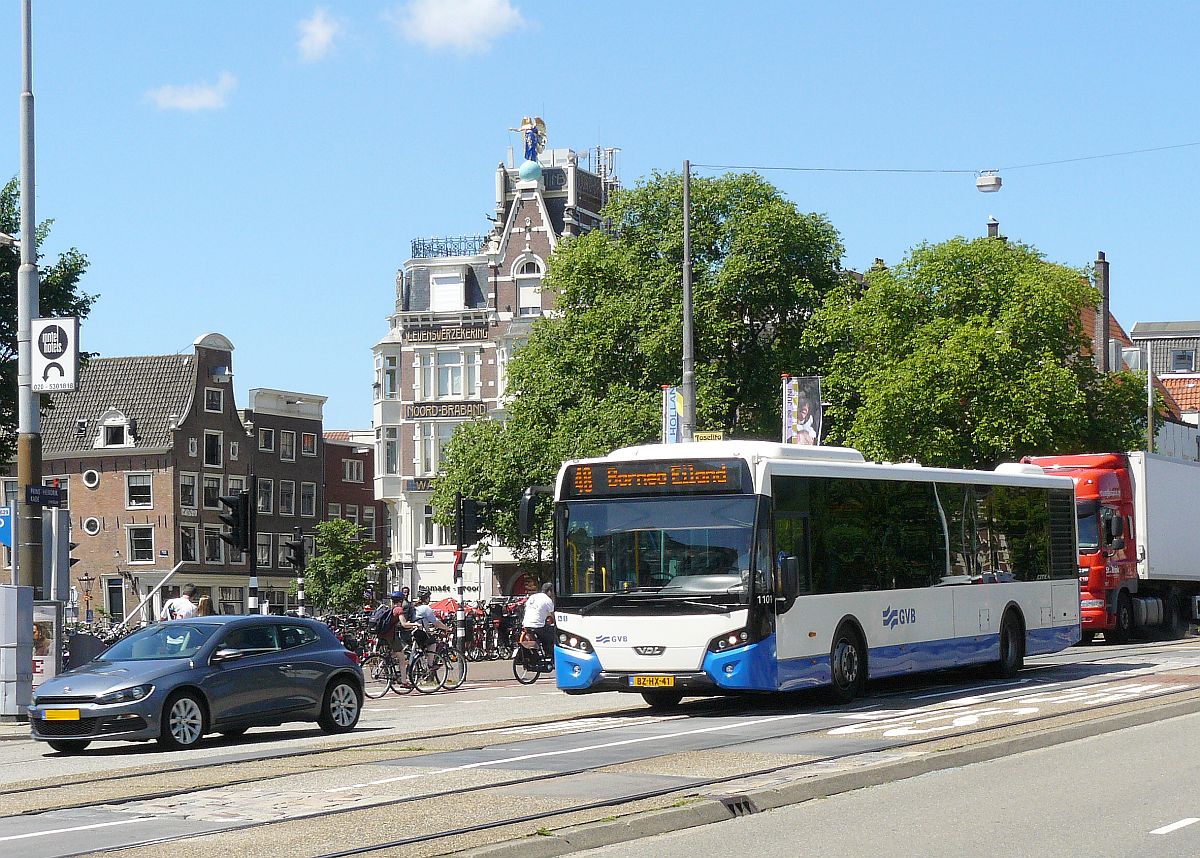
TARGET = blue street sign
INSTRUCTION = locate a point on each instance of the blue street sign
(6, 525)
(43, 495)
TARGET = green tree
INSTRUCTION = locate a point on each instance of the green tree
(967, 354)
(590, 380)
(336, 577)
(59, 296)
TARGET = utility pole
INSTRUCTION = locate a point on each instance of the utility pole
(28, 561)
(688, 424)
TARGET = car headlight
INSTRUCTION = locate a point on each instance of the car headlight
(566, 640)
(729, 640)
(126, 695)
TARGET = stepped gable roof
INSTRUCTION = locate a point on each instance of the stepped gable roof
(149, 389)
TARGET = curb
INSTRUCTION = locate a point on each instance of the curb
(705, 810)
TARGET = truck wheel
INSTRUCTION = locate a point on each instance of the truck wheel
(1174, 623)
(1123, 630)
(1086, 638)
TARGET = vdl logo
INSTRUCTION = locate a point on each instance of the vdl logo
(612, 638)
(893, 617)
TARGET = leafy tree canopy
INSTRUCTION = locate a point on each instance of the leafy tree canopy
(590, 379)
(336, 578)
(59, 296)
(967, 354)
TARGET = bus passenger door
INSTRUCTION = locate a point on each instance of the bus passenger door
(792, 574)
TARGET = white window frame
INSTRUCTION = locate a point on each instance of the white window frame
(203, 497)
(308, 510)
(352, 470)
(391, 376)
(352, 512)
(235, 483)
(432, 439)
(220, 400)
(304, 436)
(266, 489)
(234, 450)
(129, 540)
(194, 530)
(184, 476)
(368, 521)
(266, 440)
(284, 433)
(335, 511)
(211, 530)
(290, 509)
(220, 448)
(1189, 356)
(264, 541)
(447, 291)
(129, 504)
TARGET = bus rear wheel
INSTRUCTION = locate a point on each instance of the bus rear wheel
(1012, 647)
(847, 664)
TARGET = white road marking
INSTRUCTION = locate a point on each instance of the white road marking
(565, 751)
(76, 828)
(1175, 826)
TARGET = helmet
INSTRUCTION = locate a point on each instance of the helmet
(423, 594)
(397, 594)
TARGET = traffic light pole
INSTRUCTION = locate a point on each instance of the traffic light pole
(252, 543)
(460, 618)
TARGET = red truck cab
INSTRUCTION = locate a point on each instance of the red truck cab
(1104, 514)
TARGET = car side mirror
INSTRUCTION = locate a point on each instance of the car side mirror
(226, 654)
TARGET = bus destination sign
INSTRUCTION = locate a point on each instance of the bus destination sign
(690, 476)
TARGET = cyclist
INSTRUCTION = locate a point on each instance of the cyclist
(397, 637)
(424, 619)
(539, 608)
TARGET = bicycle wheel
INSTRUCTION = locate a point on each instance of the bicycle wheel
(401, 679)
(377, 676)
(527, 667)
(427, 674)
(456, 668)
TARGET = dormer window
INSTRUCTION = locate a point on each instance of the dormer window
(116, 430)
(446, 290)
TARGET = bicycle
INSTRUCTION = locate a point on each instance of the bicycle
(454, 661)
(382, 671)
(426, 670)
(531, 660)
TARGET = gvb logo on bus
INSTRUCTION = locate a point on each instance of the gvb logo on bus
(893, 617)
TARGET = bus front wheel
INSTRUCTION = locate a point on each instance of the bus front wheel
(662, 700)
(847, 664)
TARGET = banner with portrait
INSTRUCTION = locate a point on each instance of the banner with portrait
(802, 410)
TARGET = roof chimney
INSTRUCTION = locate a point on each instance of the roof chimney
(993, 226)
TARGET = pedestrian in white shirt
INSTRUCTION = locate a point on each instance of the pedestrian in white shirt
(180, 608)
(538, 609)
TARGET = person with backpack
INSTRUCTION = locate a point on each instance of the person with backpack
(392, 627)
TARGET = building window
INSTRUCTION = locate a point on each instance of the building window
(214, 547)
(308, 443)
(114, 436)
(263, 547)
(449, 374)
(287, 445)
(335, 511)
(266, 495)
(192, 447)
(287, 497)
(141, 544)
(236, 484)
(391, 377)
(368, 520)
(187, 543)
(1183, 360)
(212, 492)
(266, 440)
(214, 400)
(138, 492)
(308, 499)
(529, 289)
(231, 600)
(234, 449)
(352, 470)
(213, 452)
(310, 546)
(187, 491)
(446, 292)
(434, 438)
(352, 512)
(387, 452)
(431, 533)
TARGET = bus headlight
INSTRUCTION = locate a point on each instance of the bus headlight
(729, 640)
(566, 640)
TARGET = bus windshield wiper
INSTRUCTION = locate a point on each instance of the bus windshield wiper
(707, 606)
(592, 606)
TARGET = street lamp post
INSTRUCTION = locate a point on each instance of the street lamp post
(85, 583)
(688, 423)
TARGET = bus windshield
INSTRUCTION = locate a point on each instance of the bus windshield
(686, 546)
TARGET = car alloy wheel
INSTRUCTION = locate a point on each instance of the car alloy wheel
(343, 705)
(185, 721)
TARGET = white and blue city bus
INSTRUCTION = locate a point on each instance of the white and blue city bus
(736, 566)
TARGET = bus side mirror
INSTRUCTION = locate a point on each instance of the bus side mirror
(525, 510)
(791, 577)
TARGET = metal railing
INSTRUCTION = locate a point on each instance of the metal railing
(459, 245)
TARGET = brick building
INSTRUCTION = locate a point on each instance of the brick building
(350, 488)
(144, 448)
(463, 306)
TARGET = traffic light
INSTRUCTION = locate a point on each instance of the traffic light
(468, 520)
(238, 520)
(296, 556)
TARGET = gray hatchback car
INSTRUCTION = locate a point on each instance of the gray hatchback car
(179, 680)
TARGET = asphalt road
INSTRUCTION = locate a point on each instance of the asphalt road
(494, 752)
(1130, 793)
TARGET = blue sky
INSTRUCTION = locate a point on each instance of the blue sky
(259, 169)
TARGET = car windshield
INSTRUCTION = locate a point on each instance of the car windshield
(168, 640)
(685, 544)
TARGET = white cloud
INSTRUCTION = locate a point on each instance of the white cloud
(198, 96)
(468, 26)
(316, 36)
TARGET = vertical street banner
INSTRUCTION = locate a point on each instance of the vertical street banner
(802, 410)
(672, 415)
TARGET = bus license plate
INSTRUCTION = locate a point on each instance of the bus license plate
(61, 715)
(652, 681)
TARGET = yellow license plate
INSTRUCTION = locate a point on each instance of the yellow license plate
(61, 715)
(652, 681)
